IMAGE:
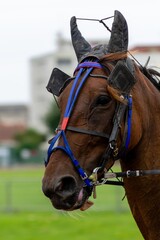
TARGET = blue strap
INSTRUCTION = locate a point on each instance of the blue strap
(72, 101)
(88, 65)
(72, 92)
(69, 107)
(54, 140)
(66, 148)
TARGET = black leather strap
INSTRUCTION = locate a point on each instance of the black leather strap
(85, 131)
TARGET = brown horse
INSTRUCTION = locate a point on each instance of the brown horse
(109, 110)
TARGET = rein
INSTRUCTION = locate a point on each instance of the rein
(127, 174)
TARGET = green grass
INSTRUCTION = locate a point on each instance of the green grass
(88, 226)
(27, 215)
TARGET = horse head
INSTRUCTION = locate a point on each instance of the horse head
(93, 106)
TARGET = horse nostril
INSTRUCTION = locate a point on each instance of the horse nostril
(65, 186)
(62, 192)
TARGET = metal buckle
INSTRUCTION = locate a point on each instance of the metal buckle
(85, 176)
(115, 152)
(111, 146)
(93, 177)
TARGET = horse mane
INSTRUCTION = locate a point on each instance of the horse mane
(152, 75)
(111, 57)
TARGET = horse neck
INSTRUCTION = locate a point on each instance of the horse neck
(145, 139)
(143, 192)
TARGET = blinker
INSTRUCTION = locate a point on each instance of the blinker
(121, 77)
(57, 81)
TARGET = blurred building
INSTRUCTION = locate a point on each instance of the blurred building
(64, 58)
(141, 53)
(41, 67)
(13, 119)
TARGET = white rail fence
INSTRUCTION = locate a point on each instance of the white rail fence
(26, 195)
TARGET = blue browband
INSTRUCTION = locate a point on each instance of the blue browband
(75, 90)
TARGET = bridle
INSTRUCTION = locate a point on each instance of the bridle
(121, 78)
(122, 109)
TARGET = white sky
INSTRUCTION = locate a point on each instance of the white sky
(29, 27)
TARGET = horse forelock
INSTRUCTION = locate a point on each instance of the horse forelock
(106, 60)
(111, 57)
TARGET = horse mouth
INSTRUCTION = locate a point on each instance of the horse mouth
(82, 202)
(78, 200)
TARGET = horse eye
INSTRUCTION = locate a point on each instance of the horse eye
(103, 100)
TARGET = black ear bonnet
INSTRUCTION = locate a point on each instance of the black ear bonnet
(122, 76)
(57, 81)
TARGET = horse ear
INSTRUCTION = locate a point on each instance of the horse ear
(57, 81)
(121, 77)
(81, 46)
(119, 35)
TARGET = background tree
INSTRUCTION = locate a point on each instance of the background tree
(30, 139)
(52, 118)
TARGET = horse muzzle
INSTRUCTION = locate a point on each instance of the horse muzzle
(66, 193)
